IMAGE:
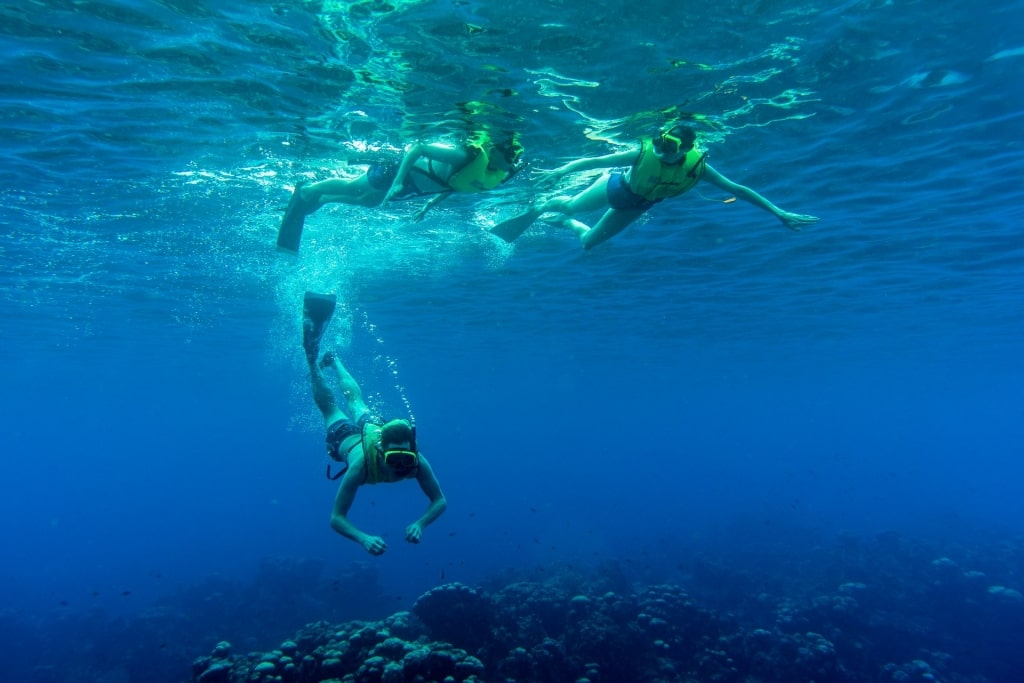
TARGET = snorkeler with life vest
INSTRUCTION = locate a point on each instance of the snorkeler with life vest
(371, 451)
(434, 170)
(656, 169)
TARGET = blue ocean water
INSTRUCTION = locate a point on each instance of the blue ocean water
(707, 380)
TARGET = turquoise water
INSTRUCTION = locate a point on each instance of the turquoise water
(706, 376)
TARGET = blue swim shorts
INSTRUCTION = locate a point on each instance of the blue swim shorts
(621, 197)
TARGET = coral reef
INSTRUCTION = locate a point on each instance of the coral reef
(569, 627)
(352, 653)
(876, 609)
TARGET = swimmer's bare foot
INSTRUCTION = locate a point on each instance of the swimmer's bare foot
(581, 229)
(562, 221)
(328, 360)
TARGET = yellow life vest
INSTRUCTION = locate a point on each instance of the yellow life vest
(371, 450)
(653, 179)
(475, 176)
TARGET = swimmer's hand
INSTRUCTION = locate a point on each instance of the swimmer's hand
(374, 545)
(796, 221)
(547, 179)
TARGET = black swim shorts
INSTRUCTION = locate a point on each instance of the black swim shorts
(339, 430)
(382, 176)
(621, 197)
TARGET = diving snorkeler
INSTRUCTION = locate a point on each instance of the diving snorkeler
(637, 179)
(427, 169)
(371, 453)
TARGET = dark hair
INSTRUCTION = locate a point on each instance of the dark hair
(685, 133)
(397, 431)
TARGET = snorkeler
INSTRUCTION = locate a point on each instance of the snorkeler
(436, 169)
(637, 179)
(371, 453)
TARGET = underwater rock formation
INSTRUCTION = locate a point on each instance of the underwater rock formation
(456, 613)
(865, 611)
(352, 653)
(533, 632)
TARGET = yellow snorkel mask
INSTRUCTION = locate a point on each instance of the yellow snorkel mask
(515, 149)
(511, 149)
(677, 139)
(398, 457)
(401, 459)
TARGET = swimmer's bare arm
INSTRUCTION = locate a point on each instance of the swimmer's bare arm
(794, 221)
(627, 158)
(431, 203)
(432, 489)
(350, 483)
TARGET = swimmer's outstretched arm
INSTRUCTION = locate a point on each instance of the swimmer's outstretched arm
(793, 221)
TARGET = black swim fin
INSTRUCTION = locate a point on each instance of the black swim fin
(317, 310)
(514, 227)
(290, 233)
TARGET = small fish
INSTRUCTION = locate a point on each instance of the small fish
(126, 592)
(936, 78)
(1003, 54)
